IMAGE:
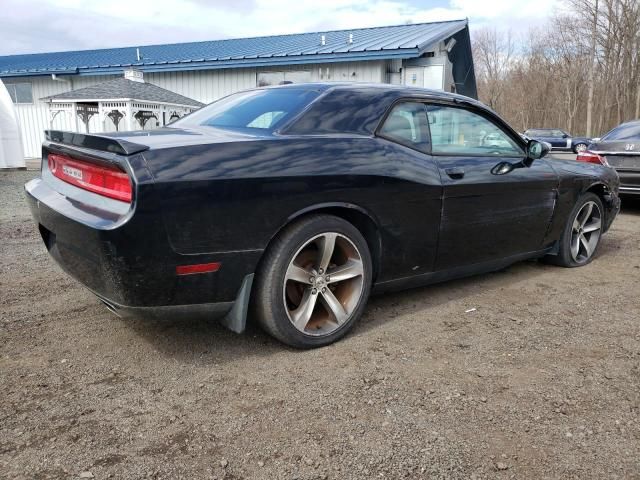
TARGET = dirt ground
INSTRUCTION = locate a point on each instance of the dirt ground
(541, 380)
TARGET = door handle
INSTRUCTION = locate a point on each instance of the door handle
(455, 172)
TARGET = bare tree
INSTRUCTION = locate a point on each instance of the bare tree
(493, 51)
(580, 72)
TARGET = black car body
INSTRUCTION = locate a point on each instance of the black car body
(208, 201)
(558, 139)
(620, 148)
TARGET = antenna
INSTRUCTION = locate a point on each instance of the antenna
(138, 56)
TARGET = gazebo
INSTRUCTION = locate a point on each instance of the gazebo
(126, 103)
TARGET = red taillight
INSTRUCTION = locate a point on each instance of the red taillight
(107, 181)
(197, 268)
(591, 157)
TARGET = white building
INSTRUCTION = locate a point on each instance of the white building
(432, 55)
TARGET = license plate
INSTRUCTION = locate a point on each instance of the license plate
(72, 172)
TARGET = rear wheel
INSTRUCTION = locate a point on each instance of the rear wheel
(314, 282)
(581, 236)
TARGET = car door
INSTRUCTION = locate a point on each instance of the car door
(412, 238)
(545, 136)
(558, 139)
(567, 140)
(486, 215)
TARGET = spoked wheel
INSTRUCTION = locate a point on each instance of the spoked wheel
(585, 232)
(314, 282)
(580, 147)
(323, 284)
(582, 233)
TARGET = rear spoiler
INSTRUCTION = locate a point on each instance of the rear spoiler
(95, 142)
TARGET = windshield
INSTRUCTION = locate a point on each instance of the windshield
(255, 109)
(629, 131)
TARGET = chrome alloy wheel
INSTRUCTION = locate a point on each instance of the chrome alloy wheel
(581, 147)
(323, 284)
(585, 232)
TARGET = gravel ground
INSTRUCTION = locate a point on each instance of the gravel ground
(542, 379)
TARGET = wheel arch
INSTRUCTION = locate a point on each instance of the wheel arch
(599, 188)
(603, 192)
(359, 217)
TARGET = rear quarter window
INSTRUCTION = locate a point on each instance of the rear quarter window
(406, 124)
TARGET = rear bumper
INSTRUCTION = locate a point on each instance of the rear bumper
(629, 181)
(128, 261)
(174, 312)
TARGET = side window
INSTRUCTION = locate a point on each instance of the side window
(456, 131)
(407, 125)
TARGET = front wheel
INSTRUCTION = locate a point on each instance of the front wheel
(579, 148)
(581, 236)
(314, 282)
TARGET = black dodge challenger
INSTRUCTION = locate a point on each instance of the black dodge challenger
(292, 204)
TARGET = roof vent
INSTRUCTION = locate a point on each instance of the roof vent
(134, 75)
(350, 40)
(323, 40)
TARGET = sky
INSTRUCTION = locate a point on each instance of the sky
(33, 26)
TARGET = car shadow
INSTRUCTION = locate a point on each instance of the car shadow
(386, 307)
(630, 205)
(202, 340)
(205, 341)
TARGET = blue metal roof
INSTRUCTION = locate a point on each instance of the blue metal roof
(400, 41)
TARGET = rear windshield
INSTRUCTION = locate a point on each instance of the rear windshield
(624, 132)
(255, 109)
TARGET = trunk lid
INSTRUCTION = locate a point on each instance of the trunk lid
(620, 154)
(96, 178)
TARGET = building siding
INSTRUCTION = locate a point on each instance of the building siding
(202, 85)
(34, 118)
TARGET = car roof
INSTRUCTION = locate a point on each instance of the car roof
(398, 90)
(630, 122)
(320, 116)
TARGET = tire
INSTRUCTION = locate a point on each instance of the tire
(580, 147)
(295, 299)
(584, 228)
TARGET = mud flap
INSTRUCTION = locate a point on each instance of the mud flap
(236, 319)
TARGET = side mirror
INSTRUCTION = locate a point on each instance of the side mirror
(594, 140)
(564, 135)
(537, 150)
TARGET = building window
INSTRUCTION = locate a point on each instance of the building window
(20, 92)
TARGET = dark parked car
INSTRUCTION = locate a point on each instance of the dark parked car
(620, 148)
(558, 139)
(295, 202)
